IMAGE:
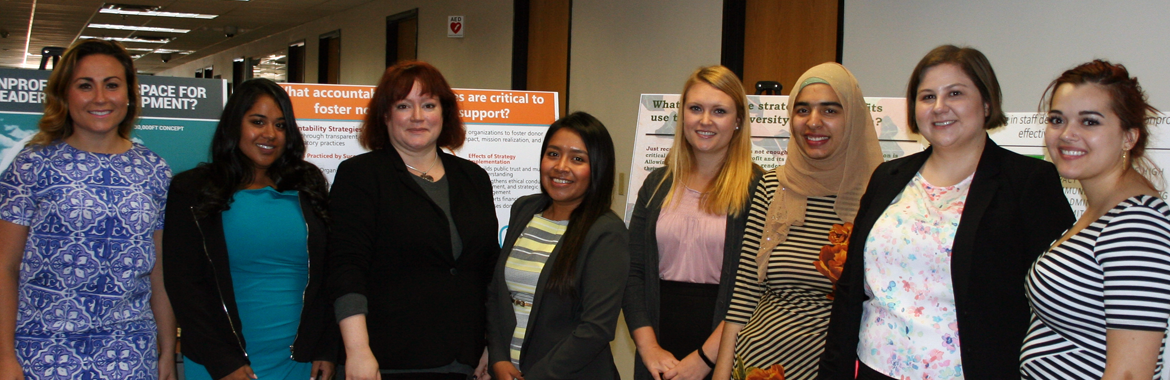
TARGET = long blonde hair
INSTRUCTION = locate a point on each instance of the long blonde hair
(730, 192)
(56, 122)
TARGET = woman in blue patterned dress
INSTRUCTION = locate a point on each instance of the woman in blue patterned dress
(81, 217)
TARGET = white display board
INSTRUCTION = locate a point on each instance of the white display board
(1024, 134)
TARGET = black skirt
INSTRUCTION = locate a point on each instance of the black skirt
(687, 312)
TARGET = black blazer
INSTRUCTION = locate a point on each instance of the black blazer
(1015, 209)
(392, 244)
(568, 337)
(199, 285)
(643, 293)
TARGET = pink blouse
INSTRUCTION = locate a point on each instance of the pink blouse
(690, 241)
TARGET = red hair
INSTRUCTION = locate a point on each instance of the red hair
(394, 86)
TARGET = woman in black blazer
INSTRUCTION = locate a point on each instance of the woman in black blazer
(413, 239)
(933, 284)
(208, 257)
(554, 301)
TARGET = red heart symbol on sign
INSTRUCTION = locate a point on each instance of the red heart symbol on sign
(456, 27)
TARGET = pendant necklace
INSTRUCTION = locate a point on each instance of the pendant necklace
(423, 173)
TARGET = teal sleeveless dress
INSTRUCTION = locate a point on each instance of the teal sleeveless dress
(268, 255)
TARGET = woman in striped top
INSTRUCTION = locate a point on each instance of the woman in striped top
(1099, 297)
(797, 229)
(554, 300)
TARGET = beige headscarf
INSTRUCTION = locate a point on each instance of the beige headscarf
(844, 173)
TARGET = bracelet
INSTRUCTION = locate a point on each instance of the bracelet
(707, 360)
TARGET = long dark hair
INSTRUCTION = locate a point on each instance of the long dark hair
(597, 200)
(230, 170)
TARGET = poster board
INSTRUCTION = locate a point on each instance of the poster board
(504, 132)
(177, 120)
(1023, 134)
(768, 116)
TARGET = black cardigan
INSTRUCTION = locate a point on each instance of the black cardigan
(1015, 209)
(642, 298)
(199, 285)
(568, 337)
(392, 244)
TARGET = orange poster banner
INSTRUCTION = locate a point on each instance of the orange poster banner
(507, 107)
(351, 102)
(329, 101)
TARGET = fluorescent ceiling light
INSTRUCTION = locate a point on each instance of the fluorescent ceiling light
(172, 51)
(149, 40)
(153, 11)
(139, 28)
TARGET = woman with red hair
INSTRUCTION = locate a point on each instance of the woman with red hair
(413, 239)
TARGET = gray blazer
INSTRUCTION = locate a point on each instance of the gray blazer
(568, 337)
(642, 299)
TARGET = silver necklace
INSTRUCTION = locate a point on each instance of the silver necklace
(423, 173)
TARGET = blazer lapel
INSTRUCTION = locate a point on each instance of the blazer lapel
(983, 189)
(899, 176)
(398, 168)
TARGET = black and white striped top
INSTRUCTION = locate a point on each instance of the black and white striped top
(786, 320)
(1114, 274)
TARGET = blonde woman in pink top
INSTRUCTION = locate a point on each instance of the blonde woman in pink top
(686, 230)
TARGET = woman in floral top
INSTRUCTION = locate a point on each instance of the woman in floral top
(797, 232)
(944, 239)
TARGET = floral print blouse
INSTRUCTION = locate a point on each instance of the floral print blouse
(909, 328)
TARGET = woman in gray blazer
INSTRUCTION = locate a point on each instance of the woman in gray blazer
(554, 300)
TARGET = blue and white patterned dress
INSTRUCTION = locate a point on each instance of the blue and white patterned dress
(84, 293)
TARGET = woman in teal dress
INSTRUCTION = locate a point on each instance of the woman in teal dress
(244, 247)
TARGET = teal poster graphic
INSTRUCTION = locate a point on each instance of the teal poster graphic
(177, 120)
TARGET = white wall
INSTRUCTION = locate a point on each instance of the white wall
(1029, 43)
(621, 49)
(481, 59)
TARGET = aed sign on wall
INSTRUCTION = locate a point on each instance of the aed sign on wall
(455, 26)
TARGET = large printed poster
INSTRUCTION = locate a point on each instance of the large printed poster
(504, 128)
(504, 132)
(1023, 134)
(768, 116)
(177, 120)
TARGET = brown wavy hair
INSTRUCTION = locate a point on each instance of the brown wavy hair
(56, 123)
(394, 86)
(1126, 99)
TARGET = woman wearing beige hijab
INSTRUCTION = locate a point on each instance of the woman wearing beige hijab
(798, 231)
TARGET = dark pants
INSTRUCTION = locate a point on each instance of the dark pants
(340, 375)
